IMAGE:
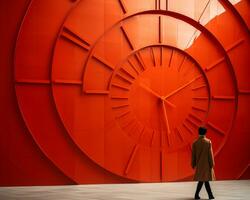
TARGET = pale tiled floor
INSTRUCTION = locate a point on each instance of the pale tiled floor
(228, 190)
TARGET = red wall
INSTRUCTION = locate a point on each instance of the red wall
(36, 147)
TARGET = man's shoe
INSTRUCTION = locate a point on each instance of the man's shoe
(197, 197)
(211, 196)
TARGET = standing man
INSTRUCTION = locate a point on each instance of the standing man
(203, 162)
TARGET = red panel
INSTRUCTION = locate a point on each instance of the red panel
(107, 92)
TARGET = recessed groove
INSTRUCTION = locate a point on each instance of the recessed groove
(198, 87)
(66, 82)
(216, 63)
(160, 37)
(74, 38)
(244, 92)
(33, 81)
(152, 138)
(172, 52)
(223, 98)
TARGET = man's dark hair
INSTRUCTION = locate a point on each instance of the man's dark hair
(202, 130)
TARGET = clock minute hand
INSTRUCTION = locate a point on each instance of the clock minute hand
(156, 94)
(180, 88)
(165, 116)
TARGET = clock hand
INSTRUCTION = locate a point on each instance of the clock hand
(156, 94)
(165, 116)
(182, 87)
(150, 90)
(169, 103)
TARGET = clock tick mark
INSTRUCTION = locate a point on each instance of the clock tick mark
(131, 159)
(120, 86)
(153, 56)
(179, 133)
(127, 72)
(97, 92)
(74, 38)
(128, 124)
(182, 62)
(125, 34)
(124, 78)
(223, 98)
(198, 87)
(133, 67)
(196, 125)
(217, 129)
(160, 32)
(152, 138)
(213, 65)
(123, 114)
(188, 128)
(120, 106)
(171, 57)
(67, 82)
(104, 62)
(139, 59)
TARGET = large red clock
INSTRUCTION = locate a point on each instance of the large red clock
(130, 94)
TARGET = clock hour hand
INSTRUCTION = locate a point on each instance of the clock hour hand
(155, 94)
(149, 90)
(180, 88)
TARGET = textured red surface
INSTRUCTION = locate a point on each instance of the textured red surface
(77, 97)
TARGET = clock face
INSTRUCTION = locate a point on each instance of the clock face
(147, 91)
(130, 95)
